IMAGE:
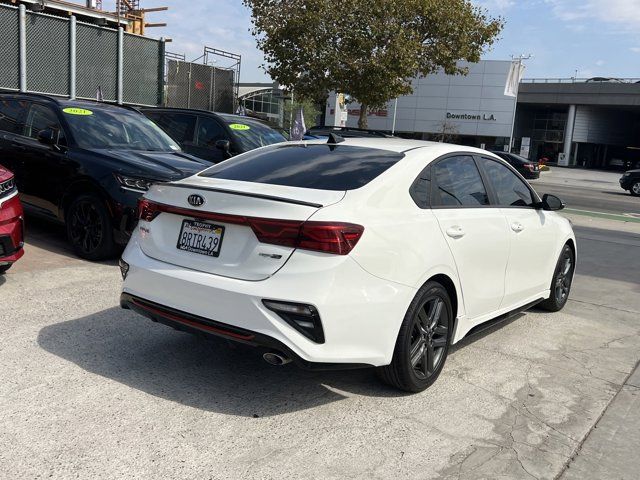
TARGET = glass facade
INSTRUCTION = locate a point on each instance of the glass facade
(264, 102)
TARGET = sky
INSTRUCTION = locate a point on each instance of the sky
(594, 37)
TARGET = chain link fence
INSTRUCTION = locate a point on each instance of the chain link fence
(57, 55)
(9, 56)
(193, 85)
(96, 67)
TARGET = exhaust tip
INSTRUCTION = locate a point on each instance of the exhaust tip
(273, 358)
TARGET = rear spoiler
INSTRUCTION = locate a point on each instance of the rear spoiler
(246, 194)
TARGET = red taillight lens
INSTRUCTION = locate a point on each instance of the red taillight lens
(276, 232)
(328, 237)
(147, 210)
(337, 238)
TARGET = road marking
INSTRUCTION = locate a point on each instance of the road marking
(610, 216)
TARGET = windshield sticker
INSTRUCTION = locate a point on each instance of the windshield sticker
(238, 126)
(77, 111)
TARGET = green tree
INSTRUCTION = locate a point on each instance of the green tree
(309, 109)
(370, 49)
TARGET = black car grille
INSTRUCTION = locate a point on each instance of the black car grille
(7, 187)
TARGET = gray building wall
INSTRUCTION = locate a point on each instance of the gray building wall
(474, 104)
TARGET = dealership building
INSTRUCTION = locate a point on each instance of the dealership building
(575, 122)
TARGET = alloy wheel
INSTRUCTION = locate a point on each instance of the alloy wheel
(636, 188)
(564, 278)
(86, 226)
(429, 338)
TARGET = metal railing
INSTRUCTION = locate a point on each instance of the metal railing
(581, 80)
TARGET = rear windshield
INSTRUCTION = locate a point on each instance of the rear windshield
(323, 167)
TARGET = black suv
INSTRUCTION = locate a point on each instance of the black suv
(85, 164)
(213, 136)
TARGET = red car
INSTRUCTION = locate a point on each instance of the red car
(11, 222)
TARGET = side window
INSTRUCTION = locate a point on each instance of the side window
(10, 113)
(41, 118)
(179, 126)
(209, 132)
(458, 183)
(421, 189)
(510, 190)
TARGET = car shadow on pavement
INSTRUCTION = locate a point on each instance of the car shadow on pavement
(211, 375)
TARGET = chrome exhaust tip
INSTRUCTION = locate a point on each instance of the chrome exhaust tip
(273, 358)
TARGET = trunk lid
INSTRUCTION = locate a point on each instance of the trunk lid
(233, 212)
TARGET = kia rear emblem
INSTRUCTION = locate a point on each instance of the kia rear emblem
(195, 200)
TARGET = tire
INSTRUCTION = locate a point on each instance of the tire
(425, 331)
(635, 189)
(4, 268)
(89, 228)
(561, 281)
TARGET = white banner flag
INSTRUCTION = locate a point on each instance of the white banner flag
(516, 73)
(298, 128)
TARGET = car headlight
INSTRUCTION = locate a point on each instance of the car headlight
(133, 183)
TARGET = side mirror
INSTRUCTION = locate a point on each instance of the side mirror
(552, 203)
(48, 137)
(223, 145)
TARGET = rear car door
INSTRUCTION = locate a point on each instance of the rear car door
(46, 168)
(179, 126)
(475, 231)
(208, 132)
(531, 236)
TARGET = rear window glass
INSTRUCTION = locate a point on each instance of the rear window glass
(324, 167)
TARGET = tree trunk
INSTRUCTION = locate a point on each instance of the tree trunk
(362, 121)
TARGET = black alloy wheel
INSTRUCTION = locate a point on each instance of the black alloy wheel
(423, 342)
(89, 228)
(562, 280)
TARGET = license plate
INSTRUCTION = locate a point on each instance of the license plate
(200, 237)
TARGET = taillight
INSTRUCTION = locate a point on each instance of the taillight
(330, 237)
(337, 238)
(147, 210)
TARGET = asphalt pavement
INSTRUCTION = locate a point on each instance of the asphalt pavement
(88, 390)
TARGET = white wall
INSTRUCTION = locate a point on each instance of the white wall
(479, 94)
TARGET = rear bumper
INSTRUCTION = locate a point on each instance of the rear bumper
(193, 324)
(360, 314)
(11, 230)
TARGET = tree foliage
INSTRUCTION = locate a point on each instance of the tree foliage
(370, 49)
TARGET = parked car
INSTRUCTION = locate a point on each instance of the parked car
(11, 222)
(525, 167)
(322, 132)
(213, 136)
(85, 164)
(630, 182)
(359, 252)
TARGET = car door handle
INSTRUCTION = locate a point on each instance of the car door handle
(455, 232)
(517, 227)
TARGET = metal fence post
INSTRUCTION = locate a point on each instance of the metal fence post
(161, 86)
(22, 42)
(72, 57)
(120, 65)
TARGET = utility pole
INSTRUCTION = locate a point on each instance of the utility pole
(520, 58)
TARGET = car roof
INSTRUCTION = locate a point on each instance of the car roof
(66, 102)
(401, 145)
(227, 117)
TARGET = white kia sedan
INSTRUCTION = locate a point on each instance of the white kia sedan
(351, 253)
